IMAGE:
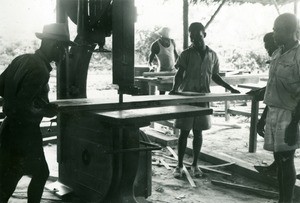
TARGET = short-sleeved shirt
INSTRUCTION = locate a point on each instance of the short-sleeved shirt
(196, 78)
(283, 86)
(197, 71)
(26, 86)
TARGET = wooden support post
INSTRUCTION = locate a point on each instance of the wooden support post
(185, 24)
(296, 7)
(253, 123)
(188, 176)
(227, 106)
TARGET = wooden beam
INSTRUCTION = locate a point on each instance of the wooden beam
(215, 14)
(257, 191)
(188, 176)
(165, 164)
(276, 6)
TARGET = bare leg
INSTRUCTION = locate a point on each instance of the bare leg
(182, 142)
(286, 175)
(197, 144)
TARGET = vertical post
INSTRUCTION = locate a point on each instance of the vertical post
(296, 7)
(227, 106)
(185, 24)
(253, 123)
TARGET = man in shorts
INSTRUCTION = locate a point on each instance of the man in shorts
(282, 97)
(196, 65)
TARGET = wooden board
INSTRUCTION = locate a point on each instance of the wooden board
(159, 137)
(145, 115)
(260, 192)
(231, 79)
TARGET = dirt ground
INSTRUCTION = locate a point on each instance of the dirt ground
(221, 138)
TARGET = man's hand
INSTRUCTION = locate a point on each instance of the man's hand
(291, 133)
(260, 127)
(257, 94)
(234, 91)
(51, 110)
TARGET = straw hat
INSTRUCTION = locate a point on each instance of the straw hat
(164, 32)
(56, 31)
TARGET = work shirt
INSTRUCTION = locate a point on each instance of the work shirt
(26, 87)
(197, 71)
(283, 86)
(166, 57)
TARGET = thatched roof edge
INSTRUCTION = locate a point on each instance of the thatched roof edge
(264, 2)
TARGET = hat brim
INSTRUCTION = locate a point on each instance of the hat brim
(56, 37)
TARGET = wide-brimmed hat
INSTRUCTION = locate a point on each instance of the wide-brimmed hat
(164, 32)
(56, 31)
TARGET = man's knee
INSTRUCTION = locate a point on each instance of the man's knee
(197, 133)
(184, 134)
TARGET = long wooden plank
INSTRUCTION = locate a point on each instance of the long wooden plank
(232, 79)
(130, 102)
(257, 191)
(188, 176)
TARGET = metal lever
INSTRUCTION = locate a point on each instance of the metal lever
(152, 147)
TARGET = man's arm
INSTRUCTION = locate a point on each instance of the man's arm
(154, 51)
(175, 52)
(219, 81)
(260, 127)
(292, 131)
(258, 94)
(31, 87)
(177, 80)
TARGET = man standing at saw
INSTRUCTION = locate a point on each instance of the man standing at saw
(24, 88)
(196, 65)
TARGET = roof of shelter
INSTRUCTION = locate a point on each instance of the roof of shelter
(264, 2)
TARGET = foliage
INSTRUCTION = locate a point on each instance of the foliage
(250, 61)
(144, 38)
(9, 50)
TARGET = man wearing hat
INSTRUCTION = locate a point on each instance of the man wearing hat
(165, 50)
(24, 88)
(197, 66)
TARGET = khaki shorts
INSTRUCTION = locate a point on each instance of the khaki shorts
(197, 123)
(276, 122)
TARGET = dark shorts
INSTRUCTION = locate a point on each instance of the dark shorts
(197, 123)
